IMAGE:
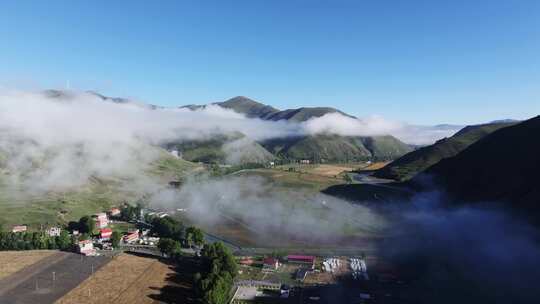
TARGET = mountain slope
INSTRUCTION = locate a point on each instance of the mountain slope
(254, 109)
(416, 161)
(337, 148)
(501, 167)
(230, 149)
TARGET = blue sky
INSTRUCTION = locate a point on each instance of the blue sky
(424, 62)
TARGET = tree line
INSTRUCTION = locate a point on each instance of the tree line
(214, 283)
(35, 240)
(173, 235)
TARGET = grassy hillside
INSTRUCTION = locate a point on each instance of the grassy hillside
(17, 206)
(501, 167)
(335, 148)
(225, 149)
(416, 161)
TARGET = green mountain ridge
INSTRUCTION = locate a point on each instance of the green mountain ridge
(254, 109)
(501, 167)
(408, 165)
(335, 148)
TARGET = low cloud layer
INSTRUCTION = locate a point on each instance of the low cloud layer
(272, 213)
(59, 140)
(335, 123)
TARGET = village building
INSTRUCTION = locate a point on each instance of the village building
(131, 237)
(86, 247)
(105, 233)
(305, 161)
(53, 231)
(270, 264)
(247, 260)
(19, 228)
(101, 220)
(307, 260)
(114, 212)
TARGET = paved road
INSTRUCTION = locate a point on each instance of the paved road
(366, 178)
(35, 285)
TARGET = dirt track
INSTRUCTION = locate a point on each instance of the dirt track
(34, 284)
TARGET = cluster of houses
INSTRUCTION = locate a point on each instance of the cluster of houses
(102, 221)
(51, 231)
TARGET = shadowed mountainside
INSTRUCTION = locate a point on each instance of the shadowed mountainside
(416, 161)
(501, 167)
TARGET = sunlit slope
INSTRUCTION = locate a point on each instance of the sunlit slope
(20, 205)
(335, 148)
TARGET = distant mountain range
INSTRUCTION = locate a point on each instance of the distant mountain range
(334, 148)
(416, 161)
(322, 147)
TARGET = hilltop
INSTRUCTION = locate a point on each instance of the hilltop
(254, 109)
(408, 165)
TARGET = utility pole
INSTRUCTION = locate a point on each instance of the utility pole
(54, 279)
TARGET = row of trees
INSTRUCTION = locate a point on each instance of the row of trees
(173, 235)
(34, 240)
(214, 284)
(131, 213)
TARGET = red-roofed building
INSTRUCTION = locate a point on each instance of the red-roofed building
(105, 233)
(302, 259)
(246, 261)
(270, 264)
(101, 220)
(131, 237)
(114, 212)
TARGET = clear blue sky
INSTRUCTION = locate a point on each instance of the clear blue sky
(419, 61)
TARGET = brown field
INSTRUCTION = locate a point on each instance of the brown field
(374, 166)
(13, 261)
(126, 279)
(301, 178)
(330, 170)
